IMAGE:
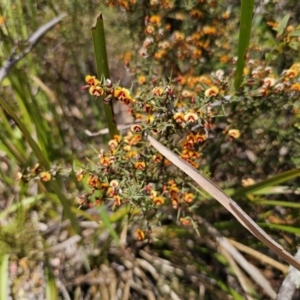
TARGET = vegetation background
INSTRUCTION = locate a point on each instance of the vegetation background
(50, 248)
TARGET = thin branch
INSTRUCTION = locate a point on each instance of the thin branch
(32, 40)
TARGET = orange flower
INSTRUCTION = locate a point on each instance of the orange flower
(91, 80)
(148, 108)
(248, 182)
(2, 20)
(196, 13)
(153, 194)
(296, 87)
(157, 157)
(188, 198)
(149, 29)
(113, 144)
(117, 200)
(269, 81)
(155, 19)
(179, 117)
(141, 79)
(173, 189)
(123, 95)
(136, 128)
(150, 119)
(204, 79)
(209, 30)
(158, 200)
(178, 36)
(213, 91)
(111, 191)
(139, 235)
(234, 133)
(134, 139)
(80, 174)
(191, 117)
(199, 138)
(290, 73)
(96, 90)
(127, 148)
(114, 183)
(45, 176)
(157, 91)
(94, 181)
(104, 161)
(185, 221)
(117, 138)
(140, 165)
(132, 154)
(187, 94)
(160, 54)
(167, 163)
(175, 201)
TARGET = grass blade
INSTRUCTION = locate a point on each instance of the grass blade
(244, 38)
(98, 36)
(275, 180)
(4, 276)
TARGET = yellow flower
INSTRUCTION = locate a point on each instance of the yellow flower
(157, 157)
(149, 119)
(104, 161)
(153, 194)
(160, 54)
(117, 200)
(158, 200)
(173, 189)
(157, 91)
(213, 91)
(196, 13)
(155, 19)
(269, 81)
(45, 176)
(290, 73)
(127, 148)
(113, 144)
(96, 90)
(139, 235)
(2, 20)
(209, 30)
(178, 36)
(199, 138)
(296, 87)
(191, 117)
(136, 128)
(149, 29)
(132, 154)
(189, 197)
(91, 80)
(179, 117)
(117, 137)
(123, 95)
(114, 183)
(185, 221)
(80, 174)
(141, 79)
(248, 182)
(175, 201)
(140, 165)
(234, 133)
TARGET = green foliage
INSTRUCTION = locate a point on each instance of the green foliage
(181, 56)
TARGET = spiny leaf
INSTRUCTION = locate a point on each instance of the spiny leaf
(226, 201)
